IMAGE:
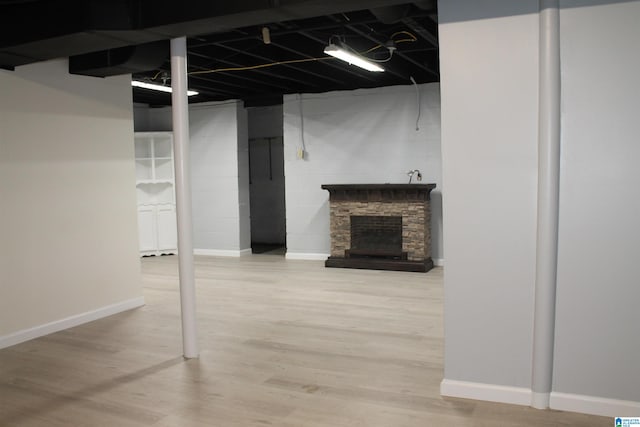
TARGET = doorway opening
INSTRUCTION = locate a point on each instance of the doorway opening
(266, 180)
(266, 192)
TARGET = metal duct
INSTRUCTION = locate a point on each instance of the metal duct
(38, 30)
(391, 14)
(124, 60)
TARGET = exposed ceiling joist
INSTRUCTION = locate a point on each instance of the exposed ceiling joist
(228, 55)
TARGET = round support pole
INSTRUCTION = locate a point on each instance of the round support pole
(180, 112)
(548, 201)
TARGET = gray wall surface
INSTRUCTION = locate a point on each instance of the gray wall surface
(489, 82)
(363, 136)
(489, 144)
(597, 329)
(244, 195)
(268, 218)
(265, 121)
(218, 157)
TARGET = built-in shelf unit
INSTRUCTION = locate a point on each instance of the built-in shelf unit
(156, 193)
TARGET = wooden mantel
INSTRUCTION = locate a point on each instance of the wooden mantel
(379, 192)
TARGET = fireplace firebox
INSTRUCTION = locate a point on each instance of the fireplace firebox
(380, 226)
(376, 236)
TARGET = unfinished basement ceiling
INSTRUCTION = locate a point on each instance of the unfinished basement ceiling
(238, 64)
(256, 50)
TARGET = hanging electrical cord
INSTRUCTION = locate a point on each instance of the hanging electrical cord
(302, 151)
(418, 100)
(412, 38)
(391, 45)
(157, 74)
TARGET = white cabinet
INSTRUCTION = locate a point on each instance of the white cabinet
(156, 194)
(166, 233)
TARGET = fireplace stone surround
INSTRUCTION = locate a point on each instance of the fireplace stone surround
(410, 202)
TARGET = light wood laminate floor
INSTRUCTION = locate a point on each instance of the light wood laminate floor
(283, 343)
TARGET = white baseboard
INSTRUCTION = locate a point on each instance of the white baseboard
(69, 322)
(308, 256)
(540, 400)
(488, 392)
(438, 262)
(236, 253)
(594, 405)
(523, 396)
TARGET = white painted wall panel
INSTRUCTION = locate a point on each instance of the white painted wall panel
(67, 194)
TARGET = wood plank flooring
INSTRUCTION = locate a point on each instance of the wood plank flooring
(283, 343)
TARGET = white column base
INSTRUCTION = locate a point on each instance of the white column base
(540, 400)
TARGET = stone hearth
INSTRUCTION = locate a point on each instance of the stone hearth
(389, 202)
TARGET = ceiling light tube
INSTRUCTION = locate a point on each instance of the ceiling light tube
(351, 58)
(151, 86)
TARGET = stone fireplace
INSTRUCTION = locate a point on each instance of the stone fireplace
(380, 226)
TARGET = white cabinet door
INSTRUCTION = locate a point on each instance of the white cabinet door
(167, 236)
(147, 231)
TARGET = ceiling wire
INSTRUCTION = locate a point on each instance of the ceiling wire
(256, 67)
(415, 84)
(412, 38)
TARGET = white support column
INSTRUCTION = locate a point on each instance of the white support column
(548, 193)
(180, 111)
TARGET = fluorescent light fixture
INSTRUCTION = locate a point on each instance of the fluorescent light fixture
(351, 57)
(151, 86)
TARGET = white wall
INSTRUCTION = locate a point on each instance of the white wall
(597, 329)
(219, 164)
(363, 136)
(489, 142)
(68, 205)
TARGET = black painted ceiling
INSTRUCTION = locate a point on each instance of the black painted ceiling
(228, 55)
